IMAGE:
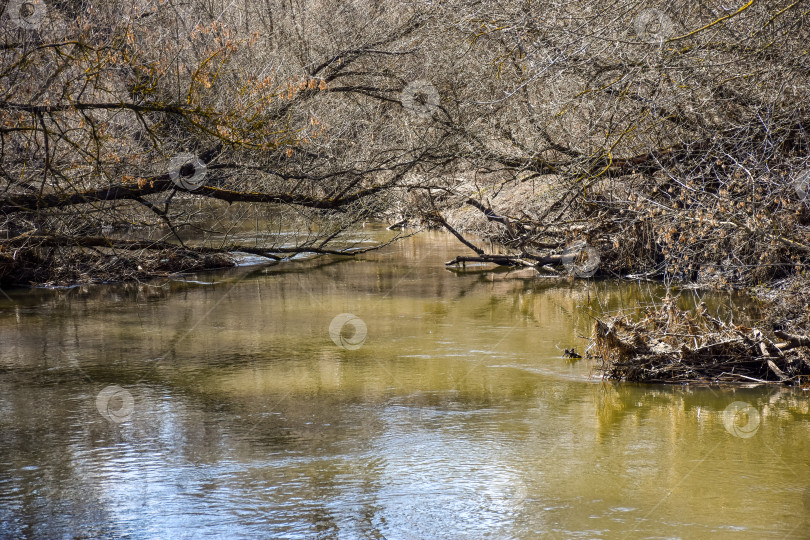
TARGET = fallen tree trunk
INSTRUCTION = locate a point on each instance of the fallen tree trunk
(95, 259)
(161, 183)
(523, 260)
(154, 245)
(508, 260)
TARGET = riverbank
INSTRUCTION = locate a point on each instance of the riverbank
(667, 344)
(83, 267)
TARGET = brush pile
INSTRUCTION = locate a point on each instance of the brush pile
(71, 267)
(670, 345)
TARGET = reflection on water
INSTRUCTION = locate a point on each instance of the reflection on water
(237, 415)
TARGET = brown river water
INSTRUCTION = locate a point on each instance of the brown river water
(436, 406)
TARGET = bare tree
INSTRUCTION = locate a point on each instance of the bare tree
(673, 137)
(129, 128)
(670, 137)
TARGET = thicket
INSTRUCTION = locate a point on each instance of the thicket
(671, 138)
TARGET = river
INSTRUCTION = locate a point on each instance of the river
(437, 406)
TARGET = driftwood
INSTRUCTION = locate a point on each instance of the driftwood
(515, 231)
(509, 260)
(674, 346)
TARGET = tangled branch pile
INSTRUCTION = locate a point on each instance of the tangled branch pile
(675, 346)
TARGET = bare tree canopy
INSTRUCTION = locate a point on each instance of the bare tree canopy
(670, 138)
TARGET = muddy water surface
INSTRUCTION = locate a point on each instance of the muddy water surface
(222, 407)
